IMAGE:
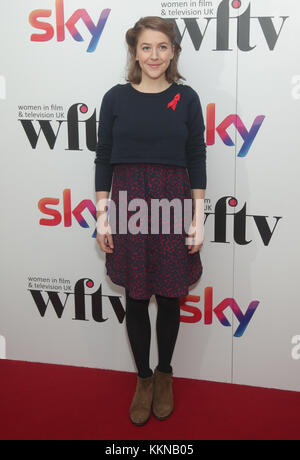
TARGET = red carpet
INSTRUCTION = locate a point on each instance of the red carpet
(51, 402)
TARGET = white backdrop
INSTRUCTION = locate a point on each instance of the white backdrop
(241, 322)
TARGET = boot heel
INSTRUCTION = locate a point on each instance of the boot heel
(163, 402)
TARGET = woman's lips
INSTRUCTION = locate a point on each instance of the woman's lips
(154, 65)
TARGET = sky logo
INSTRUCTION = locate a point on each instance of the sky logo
(70, 24)
(68, 211)
(248, 136)
(218, 311)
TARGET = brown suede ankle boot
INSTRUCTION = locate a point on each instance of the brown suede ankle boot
(140, 409)
(163, 403)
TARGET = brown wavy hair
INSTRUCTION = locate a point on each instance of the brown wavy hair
(134, 72)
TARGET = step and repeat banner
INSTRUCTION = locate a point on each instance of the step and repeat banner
(241, 322)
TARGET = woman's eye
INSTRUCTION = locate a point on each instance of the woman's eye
(147, 47)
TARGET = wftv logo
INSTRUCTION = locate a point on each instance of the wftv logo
(70, 24)
(72, 122)
(223, 21)
(79, 296)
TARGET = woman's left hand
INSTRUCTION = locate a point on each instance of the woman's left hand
(195, 236)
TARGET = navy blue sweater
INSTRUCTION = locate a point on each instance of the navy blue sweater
(165, 127)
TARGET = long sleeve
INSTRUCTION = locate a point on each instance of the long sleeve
(196, 146)
(104, 170)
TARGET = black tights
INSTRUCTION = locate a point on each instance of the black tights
(139, 331)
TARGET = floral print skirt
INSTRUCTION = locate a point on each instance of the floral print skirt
(151, 262)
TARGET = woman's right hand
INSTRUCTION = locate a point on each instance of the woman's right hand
(104, 235)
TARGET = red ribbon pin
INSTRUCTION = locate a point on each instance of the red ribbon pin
(173, 103)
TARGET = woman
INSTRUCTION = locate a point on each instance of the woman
(150, 141)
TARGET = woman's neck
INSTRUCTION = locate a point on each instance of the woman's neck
(152, 86)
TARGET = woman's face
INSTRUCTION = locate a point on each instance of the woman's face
(154, 52)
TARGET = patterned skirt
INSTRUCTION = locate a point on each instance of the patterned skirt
(153, 260)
